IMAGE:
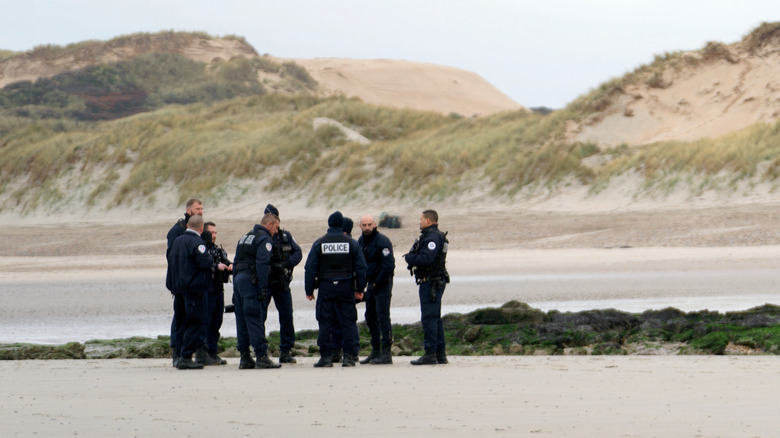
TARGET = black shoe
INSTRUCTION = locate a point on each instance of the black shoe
(336, 356)
(441, 358)
(374, 354)
(324, 362)
(426, 359)
(263, 362)
(218, 360)
(246, 363)
(175, 357)
(186, 363)
(349, 360)
(286, 357)
(385, 358)
(202, 356)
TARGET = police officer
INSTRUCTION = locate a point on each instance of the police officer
(207, 355)
(333, 261)
(193, 207)
(189, 279)
(286, 254)
(251, 268)
(378, 252)
(335, 332)
(426, 260)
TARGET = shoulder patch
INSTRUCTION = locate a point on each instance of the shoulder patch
(202, 248)
(386, 252)
(268, 246)
(431, 245)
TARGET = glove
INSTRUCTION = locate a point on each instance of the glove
(263, 294)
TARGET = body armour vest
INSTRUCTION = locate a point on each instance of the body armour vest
(335, 257)
(247, 249)
(438, 267)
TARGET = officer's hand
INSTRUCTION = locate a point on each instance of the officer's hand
(222, 266)
(359, 296)
(263, 294)
(310, 297)
(230, 268)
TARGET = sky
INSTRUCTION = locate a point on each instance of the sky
(539, 53)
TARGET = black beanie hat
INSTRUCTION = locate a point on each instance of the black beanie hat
(348, 225)
(336, 220)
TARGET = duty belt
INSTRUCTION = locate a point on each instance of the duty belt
(241, 266)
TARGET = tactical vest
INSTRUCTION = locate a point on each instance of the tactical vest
(247, 250)
(335, 257)
(438, 268)
(282, 247)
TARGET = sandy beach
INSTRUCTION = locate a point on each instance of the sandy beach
(94, 270)
(472, 396)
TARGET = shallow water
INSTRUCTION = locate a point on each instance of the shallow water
(59, 312)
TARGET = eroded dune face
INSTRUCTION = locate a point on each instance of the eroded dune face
(700, 95)
(406, 84)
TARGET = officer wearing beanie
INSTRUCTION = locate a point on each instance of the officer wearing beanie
(335, 335)
(333, 261)
(286, 254)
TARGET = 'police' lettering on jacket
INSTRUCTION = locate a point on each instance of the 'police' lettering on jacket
(335, 248)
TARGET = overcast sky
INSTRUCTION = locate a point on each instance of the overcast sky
(539, 53)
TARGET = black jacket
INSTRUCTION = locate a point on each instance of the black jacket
(190, 266)
(378, 252)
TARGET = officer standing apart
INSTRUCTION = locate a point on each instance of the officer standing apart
(332, 262)
(216, 300)
(193, 207)
(426, 261)
(189, 279)
(286, 254)
(251, 268)
(378, 252)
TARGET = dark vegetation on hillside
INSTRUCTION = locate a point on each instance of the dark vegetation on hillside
(144, 83)
(513, 329)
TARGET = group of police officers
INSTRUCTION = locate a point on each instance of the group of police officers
(343, 270)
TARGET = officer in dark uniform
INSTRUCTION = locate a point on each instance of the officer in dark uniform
(251, 268)
(378, 252)
(189, 279)
(426, 261)
(333, 261)
(207, 355)
(285, 256)
(193, 207)
(335, 331)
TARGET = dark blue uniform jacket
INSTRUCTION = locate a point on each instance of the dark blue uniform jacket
(312, 263)
(189, 265)
(430, 245)
(378, 252)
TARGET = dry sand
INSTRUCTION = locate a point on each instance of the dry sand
(472, 396)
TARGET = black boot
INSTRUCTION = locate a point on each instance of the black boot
(349, 360)
(186, 363)
(286, 357)
(426, 359)
(217, 359)
(175, 357)
(202, 356)
(374, 354)
(385, 358)
(263, 361)
(246, 363)
(326, 361)
(441, 357)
